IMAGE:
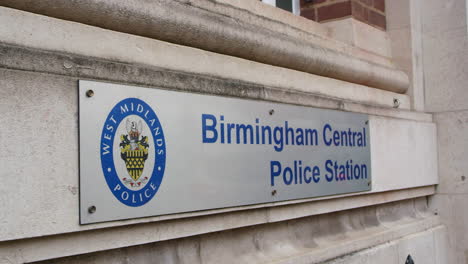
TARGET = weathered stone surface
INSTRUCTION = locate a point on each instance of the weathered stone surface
(20, 58)
(449, 203)
(404, 29)
(306, 240)
(41, 61)
(179, 22)
(359, 34)
(445, 53)
(39, 32)
(452, 128)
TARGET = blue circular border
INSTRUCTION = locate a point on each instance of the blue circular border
(140, 197)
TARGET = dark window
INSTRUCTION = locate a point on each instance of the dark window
(285, 4)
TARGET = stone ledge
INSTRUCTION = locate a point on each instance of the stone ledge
(305, 239)
(208, 30)
(351, 246)
(324, 94)
(67, 38)
(359, 34)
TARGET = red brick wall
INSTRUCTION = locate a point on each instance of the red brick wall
(371, 12)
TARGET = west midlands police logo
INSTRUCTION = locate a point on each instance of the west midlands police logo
(133, 152)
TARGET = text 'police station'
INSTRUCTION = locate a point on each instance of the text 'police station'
(218, 130)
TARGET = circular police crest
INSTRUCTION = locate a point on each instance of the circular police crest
(133, 152)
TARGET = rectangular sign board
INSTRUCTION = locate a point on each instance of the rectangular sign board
(147, 152)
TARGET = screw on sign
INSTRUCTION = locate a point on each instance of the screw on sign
(90, 93)
(409, 260)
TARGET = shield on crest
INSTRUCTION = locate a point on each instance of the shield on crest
(134, 151)
(135, 162)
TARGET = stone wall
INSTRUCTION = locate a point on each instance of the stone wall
(445, 57)
(316, 239)
(43, 54)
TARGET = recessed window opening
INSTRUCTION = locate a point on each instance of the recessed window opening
(288, 5)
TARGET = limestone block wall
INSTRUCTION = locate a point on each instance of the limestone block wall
(317, 239)
(445, 56)
(43, 57)
(404, 28)
(234, 30)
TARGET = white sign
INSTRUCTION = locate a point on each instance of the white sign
(147, 152)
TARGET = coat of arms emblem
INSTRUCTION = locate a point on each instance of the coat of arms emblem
(134, 152)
